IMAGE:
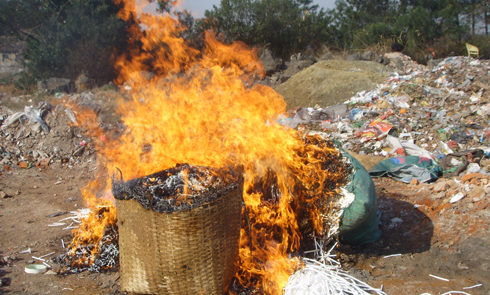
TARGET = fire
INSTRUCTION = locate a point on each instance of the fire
(199, 108)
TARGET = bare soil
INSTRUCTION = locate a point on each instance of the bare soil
(433, 236)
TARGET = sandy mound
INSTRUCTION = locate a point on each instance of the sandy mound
(330, 82)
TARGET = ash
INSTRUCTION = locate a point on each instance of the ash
(106, 259)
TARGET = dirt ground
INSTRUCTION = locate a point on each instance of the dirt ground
(433, 236)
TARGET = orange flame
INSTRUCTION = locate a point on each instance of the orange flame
(198, 108)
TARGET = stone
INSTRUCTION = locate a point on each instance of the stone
(476, 193)
(23, 164)
(368, 55)
(354, 57)
(271, 64)
(470, 176)
(438, 195)
(327, 56)
(440, 186)
(414, 181)
(297, 66)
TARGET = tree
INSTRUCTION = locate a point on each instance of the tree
(284, 26)
(79, 36)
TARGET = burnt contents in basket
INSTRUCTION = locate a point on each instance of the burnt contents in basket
(181, 188)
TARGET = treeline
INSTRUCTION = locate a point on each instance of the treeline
(288, 26)
(69, 37)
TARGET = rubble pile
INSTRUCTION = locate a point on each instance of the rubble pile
(43, 134)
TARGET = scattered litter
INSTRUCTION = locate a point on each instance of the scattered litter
(57, 214)
(474, 286)
(47, 255)
(393, 255)
(57, 224)
(37, 258)
(439, 278)
(26, 251)
(457, 197)
(35, 268)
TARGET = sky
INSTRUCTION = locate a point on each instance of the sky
(197, 7)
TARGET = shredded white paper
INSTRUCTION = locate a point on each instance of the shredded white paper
(322, 279)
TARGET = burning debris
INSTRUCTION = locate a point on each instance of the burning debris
(94, 258)
(207, 116)
(182, 188)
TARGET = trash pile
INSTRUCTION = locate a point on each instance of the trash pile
(427, 123)
(42, 134)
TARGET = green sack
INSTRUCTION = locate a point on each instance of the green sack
(359, 221)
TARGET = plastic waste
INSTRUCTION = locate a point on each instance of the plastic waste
(410, 148)
(407, 168)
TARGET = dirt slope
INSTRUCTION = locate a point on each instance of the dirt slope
(331, 82)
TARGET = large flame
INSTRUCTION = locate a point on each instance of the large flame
(199, 108)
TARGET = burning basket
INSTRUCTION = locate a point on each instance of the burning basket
(179, 230)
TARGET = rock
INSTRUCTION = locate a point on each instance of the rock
(439, 195)
(440, 186)
(297, 66)
(470, 176)
(368, 55)
(354, 57)
(414, 181)
(326, 56)
(398, 63)
(325, 82)
(476, 193)
(3, 195)
(271, 64)
(23, 164)
(53, 85)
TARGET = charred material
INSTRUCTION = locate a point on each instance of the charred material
(182, 188)
(82, 259)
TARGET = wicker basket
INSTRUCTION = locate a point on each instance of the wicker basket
(187, 252)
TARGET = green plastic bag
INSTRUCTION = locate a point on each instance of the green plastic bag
(359, 221)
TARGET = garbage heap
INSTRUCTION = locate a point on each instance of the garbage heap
(42, 133)
(439, 114)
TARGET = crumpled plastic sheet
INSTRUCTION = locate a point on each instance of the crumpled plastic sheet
(34, 114)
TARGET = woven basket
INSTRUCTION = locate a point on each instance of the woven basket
(188, 252)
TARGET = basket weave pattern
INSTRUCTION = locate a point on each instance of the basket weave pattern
(188, 252)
